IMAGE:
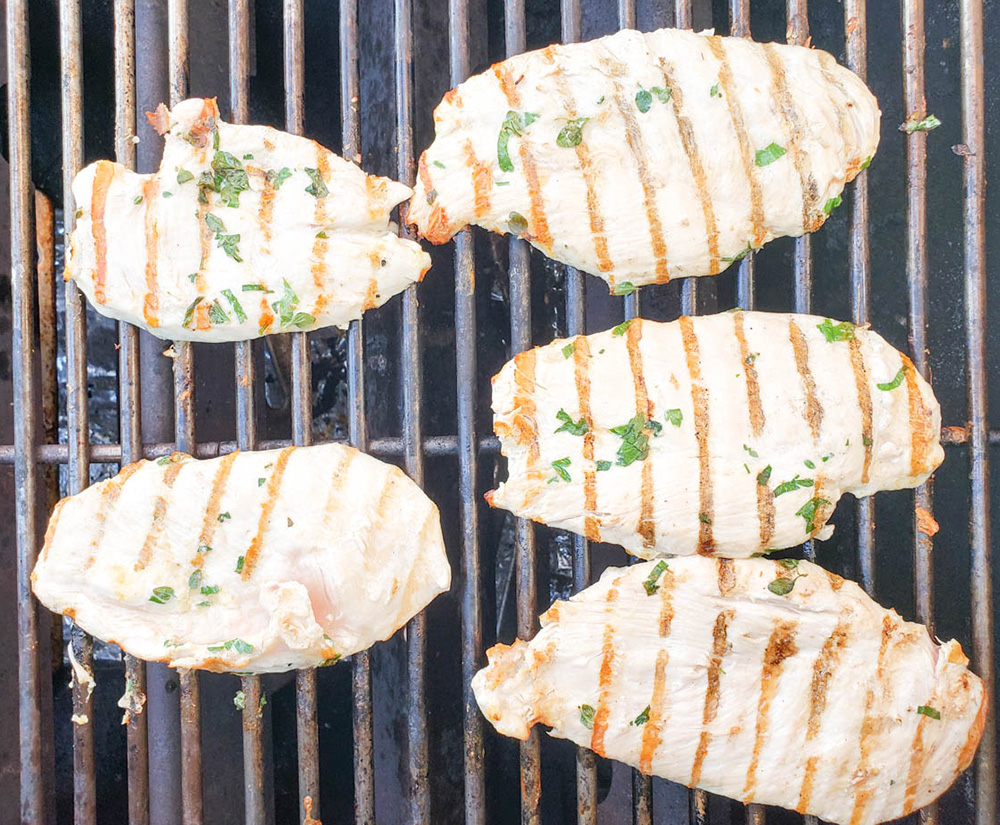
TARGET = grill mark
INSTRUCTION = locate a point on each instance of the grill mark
(205, 238)
(581, 375)
(811, 218)
(651, 730)
(103, 176)
(725, 575)
(523, 421)
(719, 647)
(868, 731)
(690, 142)
(646, 526)
(717, 46)
(211, 519)
(603, 710)
(109, 498)
(374, 524)
(266, 213)
(754, 405)
(266, 316)
(151, 302)
(539, 226)
(270, 499)
(827, 66)
(813, 411)
(320, 245)
(50, 530)
(865, 402)
(590, 179)
(780, 646)
(438, 229)
(634, 139)
(918, 420)
(917, 757)
(337, 481)
(159, 516)
(482, 180)
(699, 397)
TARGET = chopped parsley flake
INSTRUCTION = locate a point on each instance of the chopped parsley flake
(204, 548)
(513, 124)
(650, 584)
(239, 564)
(137, 201)
(279, 177)
(764, 476)
(662, 94)
(162, 595)
(569, 425)
(560, 465)
(891, 385)
(194, 582)
(209, 589)
(769, 154)
(286, 306)
(915, 123)
(844, 331)
(587, 716)
(517, 223)
(260, 482)
(623, 288)
(808, 512)
(791, 486)
(241, 316)
(438, 164)
(642, 718)
(317, 188)
(193, 277)
(228, 180)
(183, 176)
(227, 243)
(739, 256)
(832, 204)
(752, 452)
(233, 644)
(602, 466)
(189, 312)
(622, 327)
(643, 100)
(572, 133)
(714, 92)
(809, 464)
(675, 417)
(635, 442)
(704, 518)
(254, 288)
(927, 710)
(224, 516)
(240, 700)
(782, 586)
(217, 315)
(568, 350)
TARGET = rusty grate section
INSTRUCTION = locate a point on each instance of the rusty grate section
(34, 449)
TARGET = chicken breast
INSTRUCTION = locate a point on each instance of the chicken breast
(255, 561)
(765, 681)
(645, 157)
(244, 231)
(724, 435)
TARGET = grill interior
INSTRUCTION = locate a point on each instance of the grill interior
(394, 735)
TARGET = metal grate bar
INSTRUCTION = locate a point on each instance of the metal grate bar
(77, 412)
(973, 136)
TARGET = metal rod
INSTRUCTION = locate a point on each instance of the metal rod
(77, 412)
(22, 258)
(683, 14)
(973, 136)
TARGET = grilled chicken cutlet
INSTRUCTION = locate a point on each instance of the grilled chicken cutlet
(725, 435)
(645, 157)
(256, 561)
(244, 231)
(766, 681)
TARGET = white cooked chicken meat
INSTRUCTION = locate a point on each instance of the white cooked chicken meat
(765, 681)
(255, 561)
(723, 435)
(642, 157)
(244, 231)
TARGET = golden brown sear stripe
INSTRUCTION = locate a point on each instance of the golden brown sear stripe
(780, 646)
(657, 704)
(50, 529)
(726, 576)
(750, 371)
(635, 142)
(482, 180)
(320, 245)
(265, 214)
(922, 435)
(918, 754)
(719, 646)
(647, 522)
(812, 217)
(800, 347)
(103, 175)
(159, 516)
(581, 375)
(109, 498)
(860, 370)
(699, 397)
(747, 155)
(270, 499)
(690, 143)
(213, 505)
(523, 421)
(151, 301)
(438, 226)
(828, 67)
(603, 709)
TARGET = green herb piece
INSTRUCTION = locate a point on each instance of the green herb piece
(569, 425)
(674, 416)
(193, 277)
(661, 93)
(769, 154)
(432, 196)
(215, 137)
(753, 453)
(789, 564)
(560, 465)
(254, 288)
(643, 100)
(260, 482)
(241, 316)
(891, 385)
(927, 710)
(808, 512)
(194, 582)
(602, 466)
(162, 595)
(635, 442)
(167, 194)
(279, 177)
(782, 587)
(217, 315)
(866, 440)
(622, 328)
(517, 223)
(239, 564)
(826, 458)
(240, 699)
(513, 124)
(809, 464)
(739, 256)
(587, 716)
(623, 288)
(214, 223)
(791, 486)
(209, 589)
(285, 306)
(230, 178)
(650, 584)
(704, 519)
(764, 476)
(171, 643)
(642, 718)
(189, 312)
(572, 133)
(714, 92)
(844, 331)
(302, 320)
(318, 186)
(204, 548)
(501, 183)
(568, 350)
(438, 164)
(832, 204)
(183, 176)
(233, 644)
(865, 163)
(747, 468)
(137, 201)
(915, 123)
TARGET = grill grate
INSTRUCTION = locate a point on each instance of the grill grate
(151, 788)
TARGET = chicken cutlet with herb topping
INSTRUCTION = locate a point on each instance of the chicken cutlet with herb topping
(244, 231)
(643, 157)
(723, 435)
(252, 562)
